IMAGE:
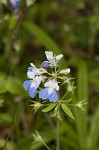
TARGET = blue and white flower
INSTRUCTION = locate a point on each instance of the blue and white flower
(33, 71)
(50, 91)
(32, 85)
(15, 4)
(52, 60)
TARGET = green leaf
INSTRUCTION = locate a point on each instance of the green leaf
(30, 2)
(9, 146)
(94, 130)
(2, 85)
(4, 117)
(67, 100)
(67, 110)
(82, 93)
(49, 108)
(12, 22)
(94, 81)
(15, 86)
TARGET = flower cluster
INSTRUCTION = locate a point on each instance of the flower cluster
(38, 76)
(14, 4)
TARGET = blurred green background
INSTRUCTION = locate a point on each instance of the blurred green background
(70, 27)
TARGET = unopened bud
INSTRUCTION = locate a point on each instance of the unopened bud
(65, 71)
(36, 106)
(42, 70)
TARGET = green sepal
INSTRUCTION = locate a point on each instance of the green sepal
(81, 104)
(67, 110)
(57, 114)
(67, 100)
(71, 87)
(36, 106)
(49, 108)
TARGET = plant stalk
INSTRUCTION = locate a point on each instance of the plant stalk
(57, 121)
(57, 135)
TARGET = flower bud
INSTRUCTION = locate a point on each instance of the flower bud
(36, 106)
(81, 104)
(65, 71)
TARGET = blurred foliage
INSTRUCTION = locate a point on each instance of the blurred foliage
(62, 26)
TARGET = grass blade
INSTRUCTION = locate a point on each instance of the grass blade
(82, 93)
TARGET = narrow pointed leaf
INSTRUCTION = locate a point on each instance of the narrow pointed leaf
(67, 110)
(94, 130)
(67, 100)
(49, 108)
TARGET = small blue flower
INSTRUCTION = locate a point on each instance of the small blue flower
(45, 64)
(15, 4)
(50, 92)
(33, 71)
(52, 61)
(32, 85)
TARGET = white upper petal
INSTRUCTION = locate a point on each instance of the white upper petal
(52, 84)
(55, 85)
(49, 55)
(35, 70)
(58, 57)
(50, 90)
(30, 75)
(52, 58)
(48, 84)
(37, 80)
(32, 65)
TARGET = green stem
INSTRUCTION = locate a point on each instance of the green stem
(46, 146)
(57, 135)
(64, 96)
(57, 128)
(57, 125)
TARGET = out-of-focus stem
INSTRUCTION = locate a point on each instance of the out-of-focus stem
(57, 135)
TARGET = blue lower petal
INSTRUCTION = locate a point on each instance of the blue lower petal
(45, 64)
(27, 84)
(32, 91)
(30, 69)
(44, 94)
(53, 96)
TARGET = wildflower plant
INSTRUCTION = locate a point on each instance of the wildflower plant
(46, 82)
